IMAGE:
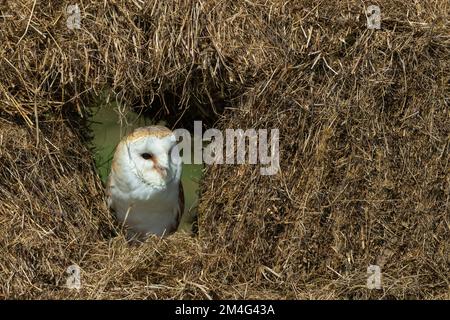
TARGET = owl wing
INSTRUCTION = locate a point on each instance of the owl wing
(180, 204)
(108, 187)
(179, 210)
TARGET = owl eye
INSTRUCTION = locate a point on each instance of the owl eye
(147, 156)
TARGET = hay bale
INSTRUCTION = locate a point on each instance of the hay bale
(52, 207)
(364, 148)
(364, 133)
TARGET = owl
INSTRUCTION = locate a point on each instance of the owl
(144, 189)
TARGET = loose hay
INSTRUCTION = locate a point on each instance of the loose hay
(364, 146)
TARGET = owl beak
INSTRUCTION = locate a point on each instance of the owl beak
(161, 170)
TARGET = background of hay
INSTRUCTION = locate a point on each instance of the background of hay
(364, 127)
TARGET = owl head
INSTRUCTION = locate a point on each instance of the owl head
(148, 157)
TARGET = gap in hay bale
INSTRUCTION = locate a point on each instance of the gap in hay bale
(170, 107)
(109, 121)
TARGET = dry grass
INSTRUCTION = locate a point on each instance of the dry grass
(365, 147)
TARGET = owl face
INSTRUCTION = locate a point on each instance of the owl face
(149, 157)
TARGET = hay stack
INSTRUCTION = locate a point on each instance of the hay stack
(364, 148)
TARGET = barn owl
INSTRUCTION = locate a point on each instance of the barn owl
(144, 189)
